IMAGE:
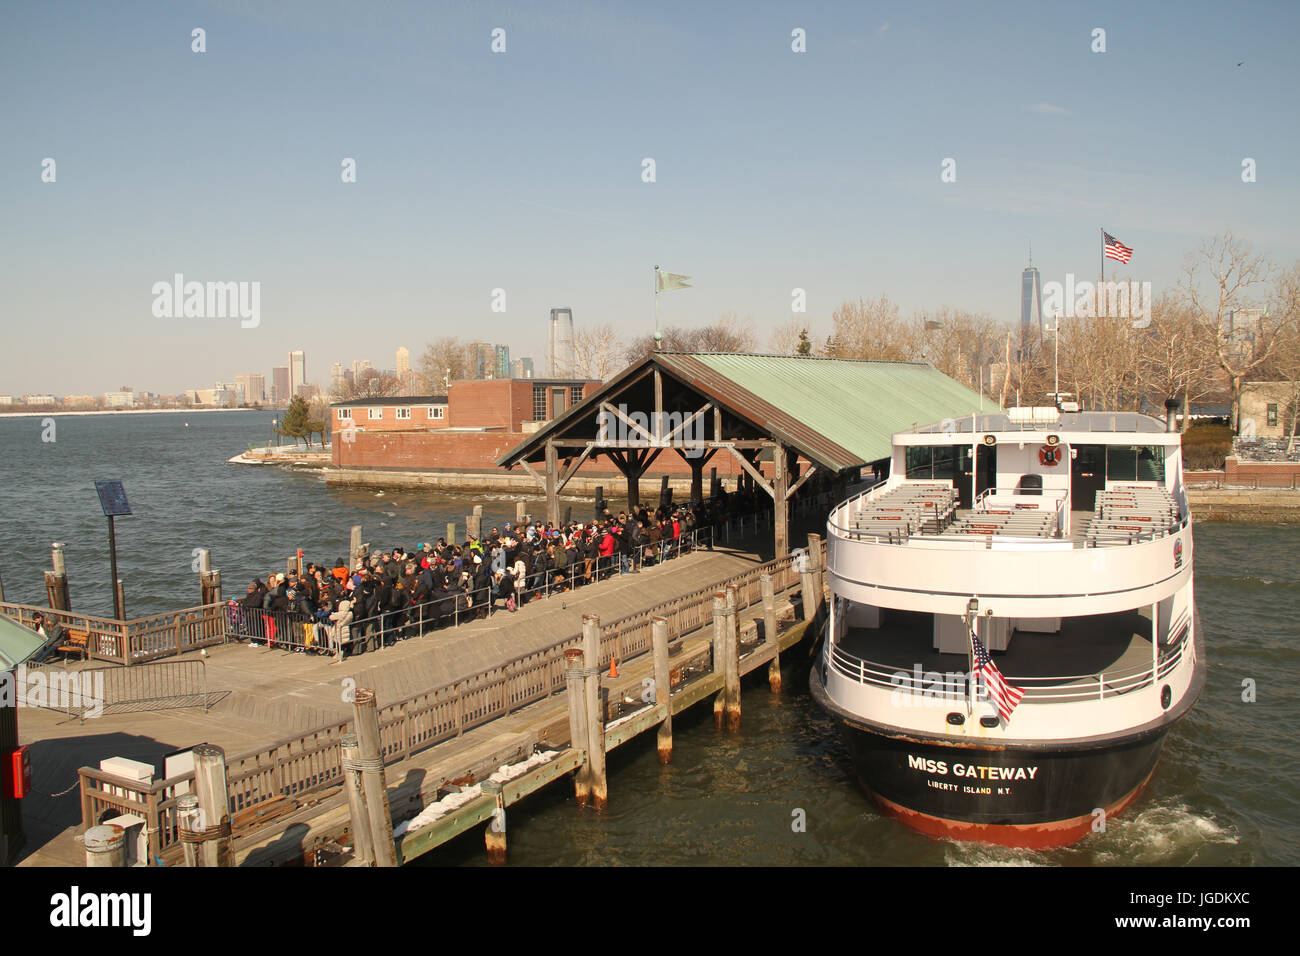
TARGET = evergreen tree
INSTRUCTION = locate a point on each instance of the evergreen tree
(296, 419)
(805, 345)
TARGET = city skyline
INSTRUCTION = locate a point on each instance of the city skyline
(773, 171)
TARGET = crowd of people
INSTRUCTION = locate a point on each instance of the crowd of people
(386, 596)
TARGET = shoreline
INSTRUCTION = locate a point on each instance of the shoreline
(131, 411)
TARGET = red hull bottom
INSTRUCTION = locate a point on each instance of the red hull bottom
(1038, 836)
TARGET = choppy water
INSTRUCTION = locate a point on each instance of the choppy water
(1225, 792)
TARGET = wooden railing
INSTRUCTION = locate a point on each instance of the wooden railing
(136, 641)
(312, 760)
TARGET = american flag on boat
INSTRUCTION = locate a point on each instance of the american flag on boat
(1005, 696)
(1114, 249)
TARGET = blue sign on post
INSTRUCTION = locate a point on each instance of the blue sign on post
(112, 498)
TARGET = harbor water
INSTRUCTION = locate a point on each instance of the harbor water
(778, 793)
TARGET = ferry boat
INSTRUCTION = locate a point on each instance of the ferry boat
(1055, 547)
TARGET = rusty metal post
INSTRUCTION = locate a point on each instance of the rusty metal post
(105, 846)
(495, 836)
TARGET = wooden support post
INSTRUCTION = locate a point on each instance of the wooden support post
(665, 493)
(363, 848)
(817, 564)
(495, 835)
(372, 776)
(552, 483)
(354, 546)
(188, 817)
(575, 682)
(720, 654)
(595, 712)
(768, 588)
(214, 805)
(807, 590)
(121, 599)
(474, 522)
(663, 686)
(780, 507)
(731, 672)
(599, 507)
(697, 480)
(713, 482)
(56, 581)
(105, 846)
(521, 508)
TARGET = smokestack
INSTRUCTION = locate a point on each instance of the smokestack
(1171, 413)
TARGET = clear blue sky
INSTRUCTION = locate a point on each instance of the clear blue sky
(522, 170)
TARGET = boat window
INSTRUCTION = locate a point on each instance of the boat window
(1121, 462)
(1151, 463)
(920, 461)
(944, 464)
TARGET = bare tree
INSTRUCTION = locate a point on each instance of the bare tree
(446, 359)
(867, 330)
(1220, 279)
(1285, 364)
(785, 339)
(1174, 362)
(369, 383)
(597, 352)
(728, 334)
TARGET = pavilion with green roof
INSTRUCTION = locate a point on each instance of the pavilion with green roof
(797, 418)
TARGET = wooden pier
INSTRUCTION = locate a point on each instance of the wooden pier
(287, 800)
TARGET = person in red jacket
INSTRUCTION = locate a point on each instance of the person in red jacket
(608, 547)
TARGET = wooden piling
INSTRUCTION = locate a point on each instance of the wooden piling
(817, 567)
(214, 805)
(595, 713)
(768, 588)
(354, 546)
(105, 846)
(665, 493)
(474, 522)
(521, 508)
(663, 687)
(719, 654)
(189, 818)
(575, 681)
(363, 848)
(731, 671)
(121, 599)
(373, 779)
(2, 589)
(56, 581)
(599, 507)
(451, 532)
(494, 837)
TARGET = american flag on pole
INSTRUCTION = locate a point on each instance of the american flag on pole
(1114, 249)
(1004, 696)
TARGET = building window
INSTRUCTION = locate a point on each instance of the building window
(575, 395)
(345, 414)
(376, 414)
(1272, 414)
(403, 414)
(435, 412)
(539, 403)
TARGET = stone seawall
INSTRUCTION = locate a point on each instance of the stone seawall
(1244, 504)
(500, 482)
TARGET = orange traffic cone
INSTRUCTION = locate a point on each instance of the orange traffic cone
(613, 667)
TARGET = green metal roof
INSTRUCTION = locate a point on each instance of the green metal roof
(17, 643)
(857, 405)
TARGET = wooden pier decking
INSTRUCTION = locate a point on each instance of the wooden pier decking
(258, 695)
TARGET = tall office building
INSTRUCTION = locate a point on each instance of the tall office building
(297, 371)
(280, 392)
(1031, 305)
(522, 368)
(403, 361)
(482, 360)
(337, 376)
(253, 387)
(559, 343)
(502, 362)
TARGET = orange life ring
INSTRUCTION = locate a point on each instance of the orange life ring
(1049, 455)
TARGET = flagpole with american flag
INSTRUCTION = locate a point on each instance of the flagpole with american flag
(1005, 696)
(1112, 248)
